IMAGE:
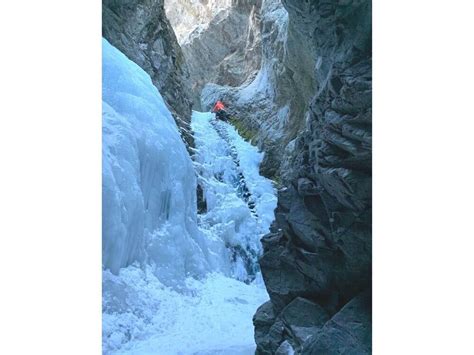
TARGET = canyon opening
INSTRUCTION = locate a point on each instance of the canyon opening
(237, 177)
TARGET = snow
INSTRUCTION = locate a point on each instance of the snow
(212, 315)
(172, 279)
(260, 88)
(286, 348)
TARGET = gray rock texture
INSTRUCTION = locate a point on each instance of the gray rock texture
(295, 324)
(140, 30)
(347, 332)
(227, 50)
(187, 15)
(272, 105)
(320, 245)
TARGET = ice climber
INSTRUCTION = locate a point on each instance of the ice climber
(220, 111)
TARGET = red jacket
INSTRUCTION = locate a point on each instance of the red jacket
(218, 106)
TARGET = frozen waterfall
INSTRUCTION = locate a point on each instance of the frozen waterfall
(149, 184)
(228, 214)
(175, 281)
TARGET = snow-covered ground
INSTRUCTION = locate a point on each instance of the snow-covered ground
(173, 279)
(212, 315)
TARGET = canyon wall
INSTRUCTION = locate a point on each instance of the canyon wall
(187, 15)
(141, 30)
(221, 42)
(270, 108)
(309, 110)
(317, 262)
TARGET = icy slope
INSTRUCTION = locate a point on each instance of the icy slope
(171, 278)
(228, 215)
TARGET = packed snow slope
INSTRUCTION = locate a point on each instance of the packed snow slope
(175, 281)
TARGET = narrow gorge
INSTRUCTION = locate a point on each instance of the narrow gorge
(247, 236)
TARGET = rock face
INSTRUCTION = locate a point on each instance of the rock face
(301, 319)
(348, 332)
(187, 15)
(224, 44)
(140, 30)
(269, 105)
(319, 250)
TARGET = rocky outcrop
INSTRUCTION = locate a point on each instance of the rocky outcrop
(140, 30)
(320, 246)
(227, 49)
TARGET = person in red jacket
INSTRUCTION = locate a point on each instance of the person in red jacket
(219, 110)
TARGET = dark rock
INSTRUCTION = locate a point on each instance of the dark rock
(140, 30)
(306, 187)
(348, 332)
(302, 318)
(201, 201)
(294, 325)
(320, 250)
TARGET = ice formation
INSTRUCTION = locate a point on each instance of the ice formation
(149, 184)
(172, 279)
